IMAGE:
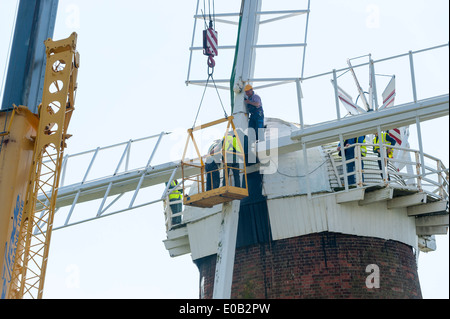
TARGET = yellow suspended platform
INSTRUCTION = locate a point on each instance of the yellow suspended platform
(216, 196)
(220, 176)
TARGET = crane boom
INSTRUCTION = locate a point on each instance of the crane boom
(30, 254)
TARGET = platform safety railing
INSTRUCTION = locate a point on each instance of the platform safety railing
(222, 174)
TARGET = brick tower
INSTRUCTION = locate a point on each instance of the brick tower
(320, 265)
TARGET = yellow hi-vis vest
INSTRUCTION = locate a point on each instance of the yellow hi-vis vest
(390, 151)
(364, 148)
(231, 144)
(232, 148)
(176, 194)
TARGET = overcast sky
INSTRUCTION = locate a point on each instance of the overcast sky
(134, 62)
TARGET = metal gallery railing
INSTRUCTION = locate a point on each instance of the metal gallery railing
(406, 171)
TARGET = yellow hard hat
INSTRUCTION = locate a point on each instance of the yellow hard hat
(248, 87)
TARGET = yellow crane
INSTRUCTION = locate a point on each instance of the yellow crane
(30, 163)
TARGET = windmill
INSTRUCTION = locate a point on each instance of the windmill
(157, 174)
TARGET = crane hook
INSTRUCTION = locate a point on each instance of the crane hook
(211, 62)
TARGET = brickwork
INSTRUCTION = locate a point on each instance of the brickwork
(321, 265)
(207, 268)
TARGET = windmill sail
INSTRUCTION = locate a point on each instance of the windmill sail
(360, 91)
(389, 94)
(347, 102)
(400, 135)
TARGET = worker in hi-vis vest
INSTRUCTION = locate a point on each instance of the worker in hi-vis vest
(215, 155)
(175, 195)
(232, 149)
(387, 140)
(212, 162)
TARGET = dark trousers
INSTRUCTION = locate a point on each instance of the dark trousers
(212, 176)
(256, 123)
(350, 169)
(233, 168)
(176, 208)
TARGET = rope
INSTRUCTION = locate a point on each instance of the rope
(215, 86)
(201, 101)
(210, 76)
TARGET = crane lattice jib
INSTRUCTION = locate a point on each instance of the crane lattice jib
(54, 116)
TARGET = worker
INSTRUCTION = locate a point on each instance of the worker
(175, 195)
(212, 162)
(255, 109)
(232, 149)
(216, 156)
(387, 140)
(350, 156)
